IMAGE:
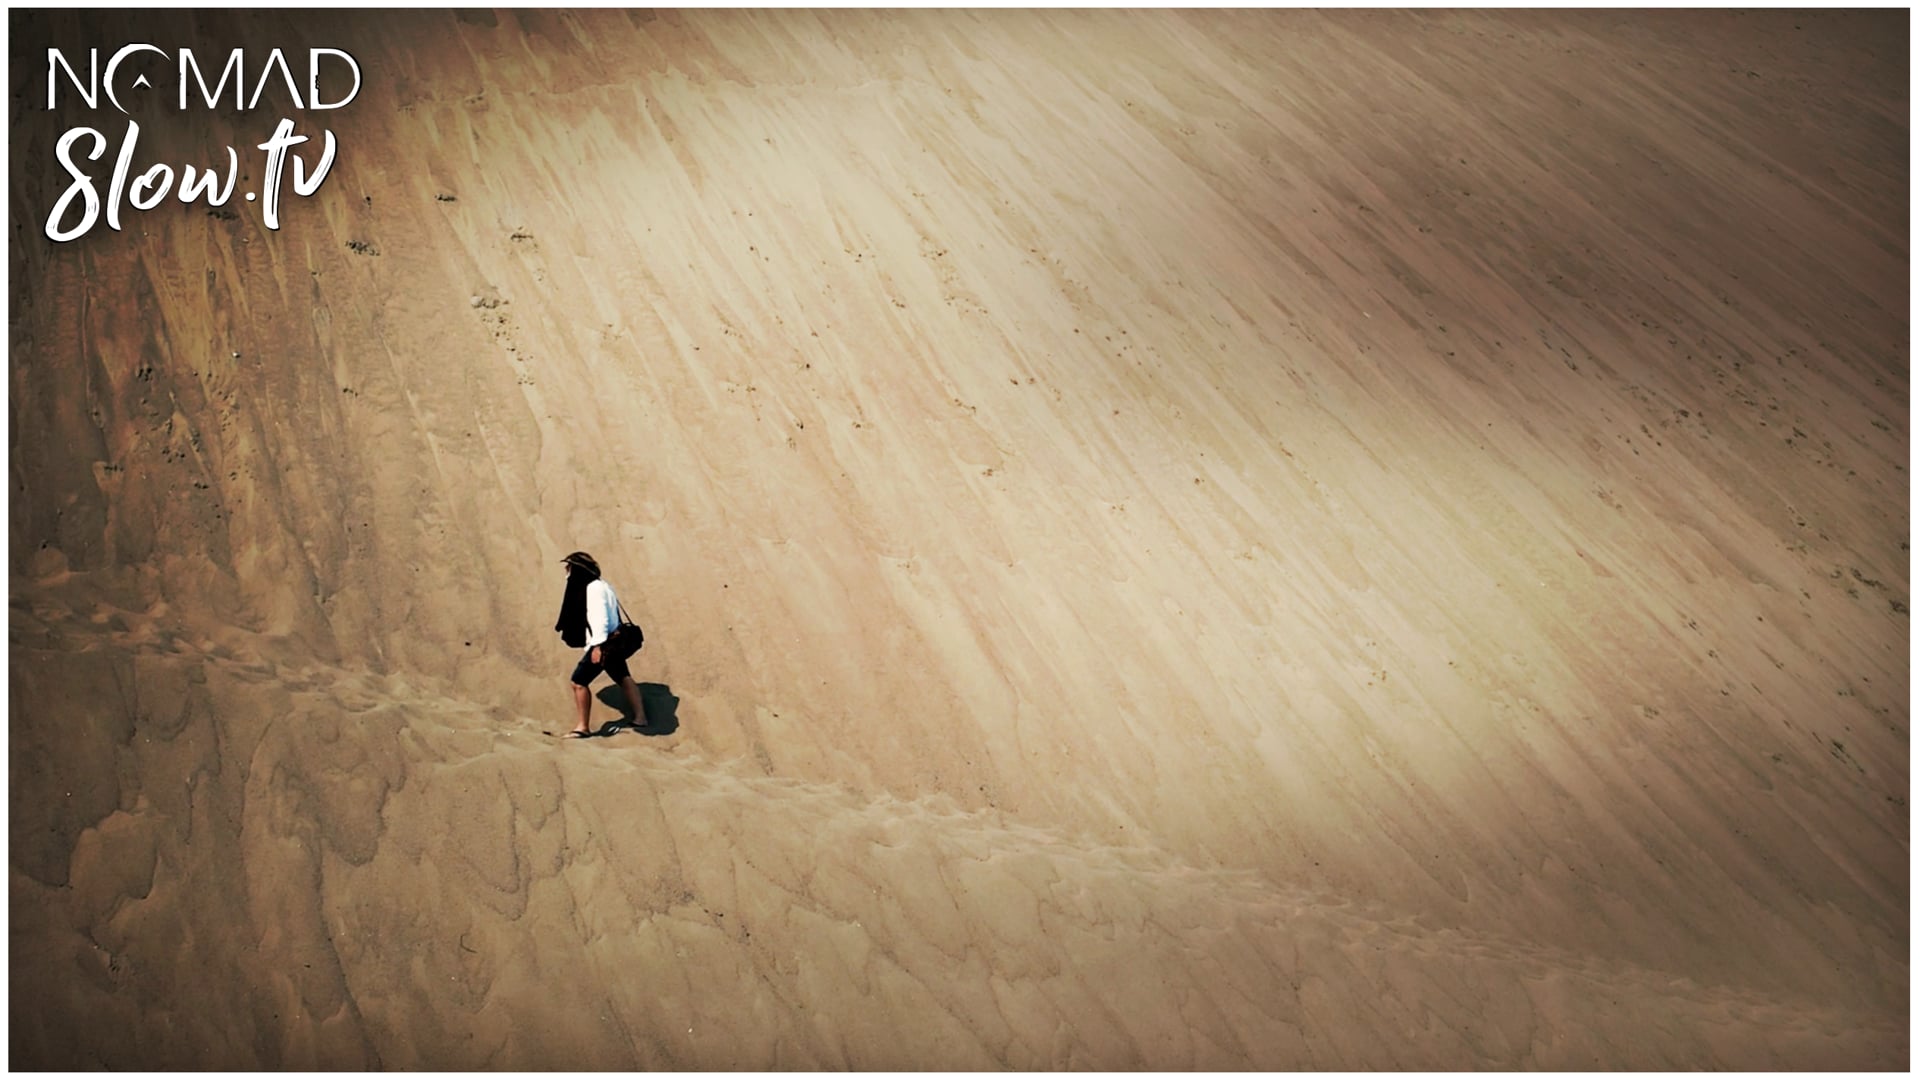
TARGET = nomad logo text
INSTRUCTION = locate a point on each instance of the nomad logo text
(131, 71)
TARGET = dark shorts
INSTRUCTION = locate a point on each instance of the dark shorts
(586, 670)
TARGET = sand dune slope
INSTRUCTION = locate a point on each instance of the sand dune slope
(1174, 540)
(439, 892)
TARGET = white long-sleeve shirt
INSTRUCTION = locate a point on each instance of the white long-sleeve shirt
(603, 611)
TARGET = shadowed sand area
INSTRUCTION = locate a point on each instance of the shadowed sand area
(1273, 540)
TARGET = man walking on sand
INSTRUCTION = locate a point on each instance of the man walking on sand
(591, 616)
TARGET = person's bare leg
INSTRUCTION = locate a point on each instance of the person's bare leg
(633, 698)
(583, 702)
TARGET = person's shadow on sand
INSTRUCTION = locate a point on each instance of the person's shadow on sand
(656, 700)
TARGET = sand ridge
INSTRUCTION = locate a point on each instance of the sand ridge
(1001, 944)
(1172, 540)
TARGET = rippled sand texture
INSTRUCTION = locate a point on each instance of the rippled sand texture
(1281, 539)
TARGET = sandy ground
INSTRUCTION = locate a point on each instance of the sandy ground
(1167, 540)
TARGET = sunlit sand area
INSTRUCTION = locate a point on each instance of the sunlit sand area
(1166, 540)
